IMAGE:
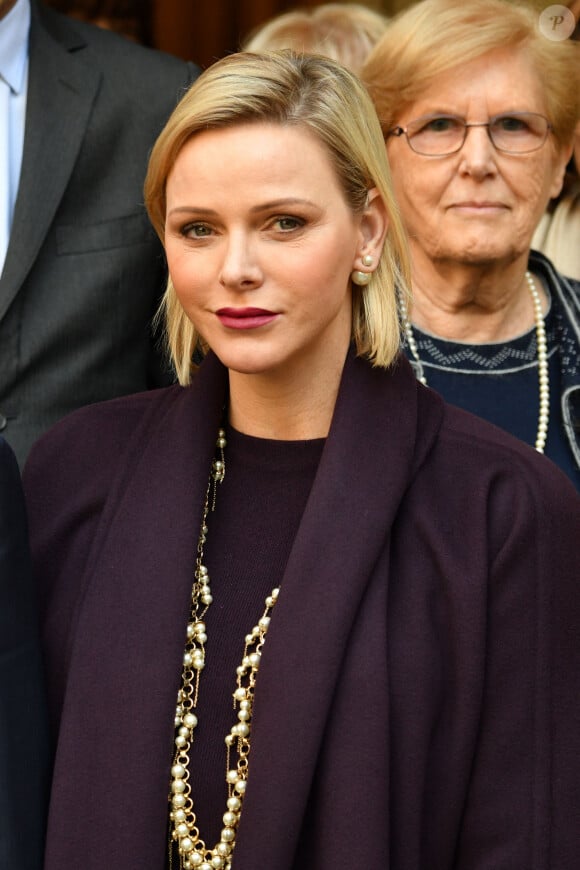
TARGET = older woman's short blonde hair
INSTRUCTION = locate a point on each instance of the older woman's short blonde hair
(343, 31)
(435, 36)
(330, 102)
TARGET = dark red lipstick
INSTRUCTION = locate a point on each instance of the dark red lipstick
(245, 318)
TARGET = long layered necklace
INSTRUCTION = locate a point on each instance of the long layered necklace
(543, 372)
(193, 852)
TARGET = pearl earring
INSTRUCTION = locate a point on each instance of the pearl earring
(360, 278)
(363, 278)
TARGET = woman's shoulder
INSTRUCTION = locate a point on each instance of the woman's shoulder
(486, 460)
(94, 437)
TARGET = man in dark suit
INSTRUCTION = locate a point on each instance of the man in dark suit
(83, 271)
(24, 745)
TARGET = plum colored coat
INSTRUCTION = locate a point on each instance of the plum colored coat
(417, 705)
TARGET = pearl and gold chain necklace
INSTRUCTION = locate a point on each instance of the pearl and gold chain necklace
(193, 852)
(543, 372)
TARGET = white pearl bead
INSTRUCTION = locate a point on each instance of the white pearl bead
(240, 786)
(234, 804)
(229, 819)
(178, 786)
(182, 830)
(190, 720)
(228, 835)
(232, 776)
(177, 801)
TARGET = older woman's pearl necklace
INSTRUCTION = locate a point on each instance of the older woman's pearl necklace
(193, 852)
(543, 373)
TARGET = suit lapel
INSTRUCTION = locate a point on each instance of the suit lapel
(61, 94)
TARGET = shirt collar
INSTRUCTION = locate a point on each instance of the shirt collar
(14, 30)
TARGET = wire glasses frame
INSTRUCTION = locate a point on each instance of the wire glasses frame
(440, 135)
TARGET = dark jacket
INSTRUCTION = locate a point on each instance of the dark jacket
(84, 270)
(417, 704)
(565, 295)
(24, 741)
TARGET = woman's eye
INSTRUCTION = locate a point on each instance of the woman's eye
(286, 224)
(510, 124)
(196, 231)
(439, 125)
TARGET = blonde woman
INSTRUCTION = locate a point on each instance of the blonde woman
(297, 612)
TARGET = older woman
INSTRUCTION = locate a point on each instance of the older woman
(478, 109)
(384, 586)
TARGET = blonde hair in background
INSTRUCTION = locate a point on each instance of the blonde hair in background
(435, 36)
(330, 103)
(345, 32)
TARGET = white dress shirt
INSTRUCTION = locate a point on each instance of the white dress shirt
(14, 29)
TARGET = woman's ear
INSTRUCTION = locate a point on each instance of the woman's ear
(561, 161)
(374, 224)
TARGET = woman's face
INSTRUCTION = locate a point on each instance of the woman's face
(260, 244)
(477, 206)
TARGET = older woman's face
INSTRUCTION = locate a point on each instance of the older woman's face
(479, 205)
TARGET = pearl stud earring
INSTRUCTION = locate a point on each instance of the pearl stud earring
(363, 278)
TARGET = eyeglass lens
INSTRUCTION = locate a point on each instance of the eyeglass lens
(516, 133)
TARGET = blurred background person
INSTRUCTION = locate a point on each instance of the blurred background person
(558, 233)
(343, 31)
(81, 272)
(478, 110)
(25, 755)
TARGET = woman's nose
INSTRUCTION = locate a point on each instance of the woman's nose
(240, 268)
(478, 155)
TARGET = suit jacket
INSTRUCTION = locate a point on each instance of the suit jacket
(24, 744)
(417, 705)
(84, 270)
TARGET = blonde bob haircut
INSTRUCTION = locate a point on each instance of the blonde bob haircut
(343, 31)
(327, 100)
(436, 36)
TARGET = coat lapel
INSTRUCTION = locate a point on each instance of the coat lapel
(61, 93)
(367, 464)
(116, 735)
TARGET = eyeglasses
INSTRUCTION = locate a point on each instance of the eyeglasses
(440, 135)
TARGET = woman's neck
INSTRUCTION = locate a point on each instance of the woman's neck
(474, 304)
(286, 408)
